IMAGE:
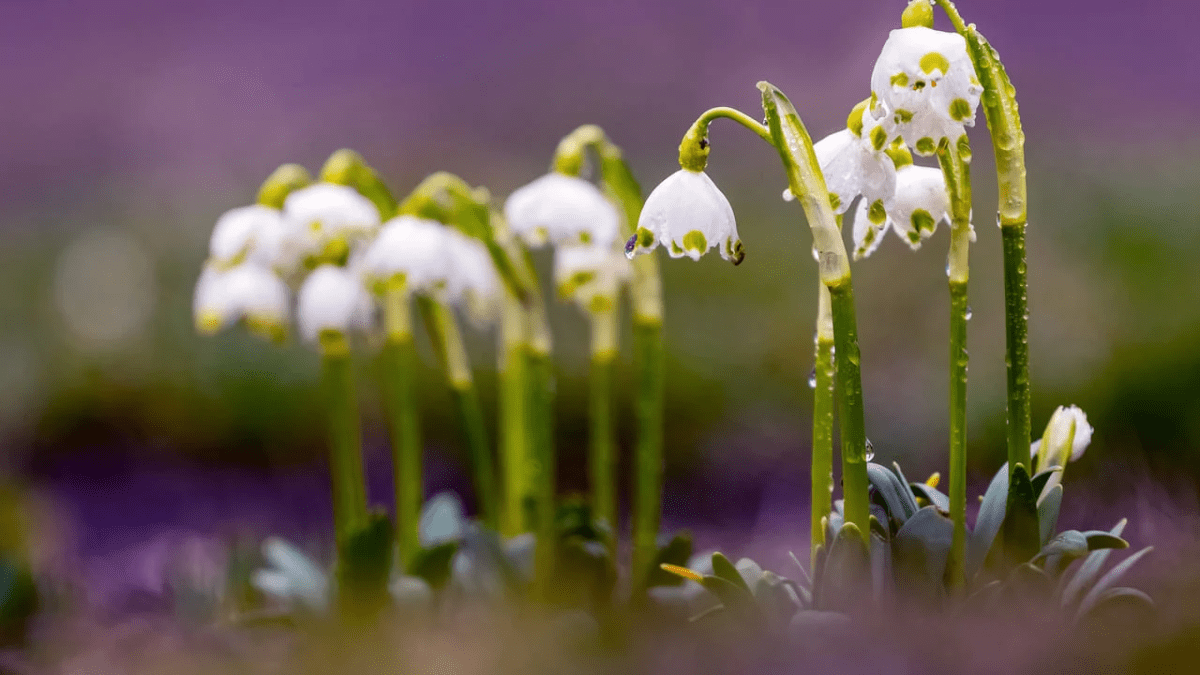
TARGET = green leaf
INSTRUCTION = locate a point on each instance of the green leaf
(726, 570)
(988, 522)
(1109, 580)
(1098, 539)
(1022, 538)
(1115, 597)
(846, 578)
(365, 564)
(433, 563)
(897, 497)
(776, 597)
(921, 549)
(1082, 580)
(1070, 543)
(1048, 511)
(932, 495)
(735, 598)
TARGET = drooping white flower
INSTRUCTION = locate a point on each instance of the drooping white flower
(854, 163)
(688, 215)
(920, 203)
(924, 87)
(591, 275)
(324, 218)
(413, 249)
(332, 299)
(245, 292)
(1066, 437)
(476, 285)
(247, 234)
(562, 209)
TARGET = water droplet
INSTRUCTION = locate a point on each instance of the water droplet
(812, 378)
(967, 316)
(947, 268)
(631, 247)
(870, 450)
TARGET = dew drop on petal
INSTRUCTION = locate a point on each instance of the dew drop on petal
(631, 247)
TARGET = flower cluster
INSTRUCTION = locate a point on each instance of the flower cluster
(328, 248)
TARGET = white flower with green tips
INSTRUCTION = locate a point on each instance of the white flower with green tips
(562, 210)
(324, 220)
(246, 234)
(1066, 437)
(248, 293)
(591, 276)
(333, 301)
(924, 87)
(688, 215)
(920, 203)
(854, 162)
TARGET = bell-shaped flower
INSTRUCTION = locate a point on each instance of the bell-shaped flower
(924, 87)
(323, 220)
(920, 203)
(246, 234)
(562, 209)
(1066, 437)
(591, 275)
(333, 300)
(854, 163)
(246, 292)
(475, 285)
(411, 250)
(688, 215)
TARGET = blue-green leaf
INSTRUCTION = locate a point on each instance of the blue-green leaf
(1048, 511)
(933, 495)
(1081, 581)
(1109, 580)
(922, 546)
(988, 522)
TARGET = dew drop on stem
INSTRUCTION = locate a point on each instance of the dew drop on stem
(812, 378)
(870, 450)
(968, 313)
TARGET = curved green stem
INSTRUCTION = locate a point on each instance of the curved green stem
(516, 443)
(398, 359)
(822, 433)
(954, 158)
(807, 183)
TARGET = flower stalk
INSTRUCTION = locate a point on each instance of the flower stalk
(806, 182)
(602, 447)
(822, 433)
(1008, 143)
(954, 158)
(398, 359)
(345, 445)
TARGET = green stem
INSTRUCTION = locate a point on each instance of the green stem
(822, 434)
(603, 451)
(954, 158)
(807, 183)
(398, 360)
(447, 340)
(345, 446)
(649, 355)
(516, 444)
(541, 381)
(1008, 143)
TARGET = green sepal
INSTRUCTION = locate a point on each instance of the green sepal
(282, 182)
(727, 571)
(347, 167)
(433, 564)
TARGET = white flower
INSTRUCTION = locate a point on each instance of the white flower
(854, 163)
(688, 215)
(925, 87)
(324, 218)
(436, 260)
(591, 275)
(414, 249)
(1067, 432)
(920, 203)
(246, 292)
(247, 234)
(562, 209)
(332, 299)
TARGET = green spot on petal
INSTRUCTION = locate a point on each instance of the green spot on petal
(834, 200)
(585, 237)
(903, 115)
(921, 222)
(934, 61)
(854, 121)
(899, 153)
(645, 238)
(876, 214)
(918, 85)
(600, 303)
(926, 146)
(914, 238)
(676, 249)
(695, 241)
(900, 80)
(878, 138)
(960, 109)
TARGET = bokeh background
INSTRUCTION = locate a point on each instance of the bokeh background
(130, 125)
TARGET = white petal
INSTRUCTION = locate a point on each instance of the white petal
(563, 210)
(416, 248)
(246, 291)
(590, 274)
(867, 234)
(925, 86)
(244, 232)
(332, 211)
(331, 299)
(476, 285)
(689, 215)
(852, 167)
(921, 202)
